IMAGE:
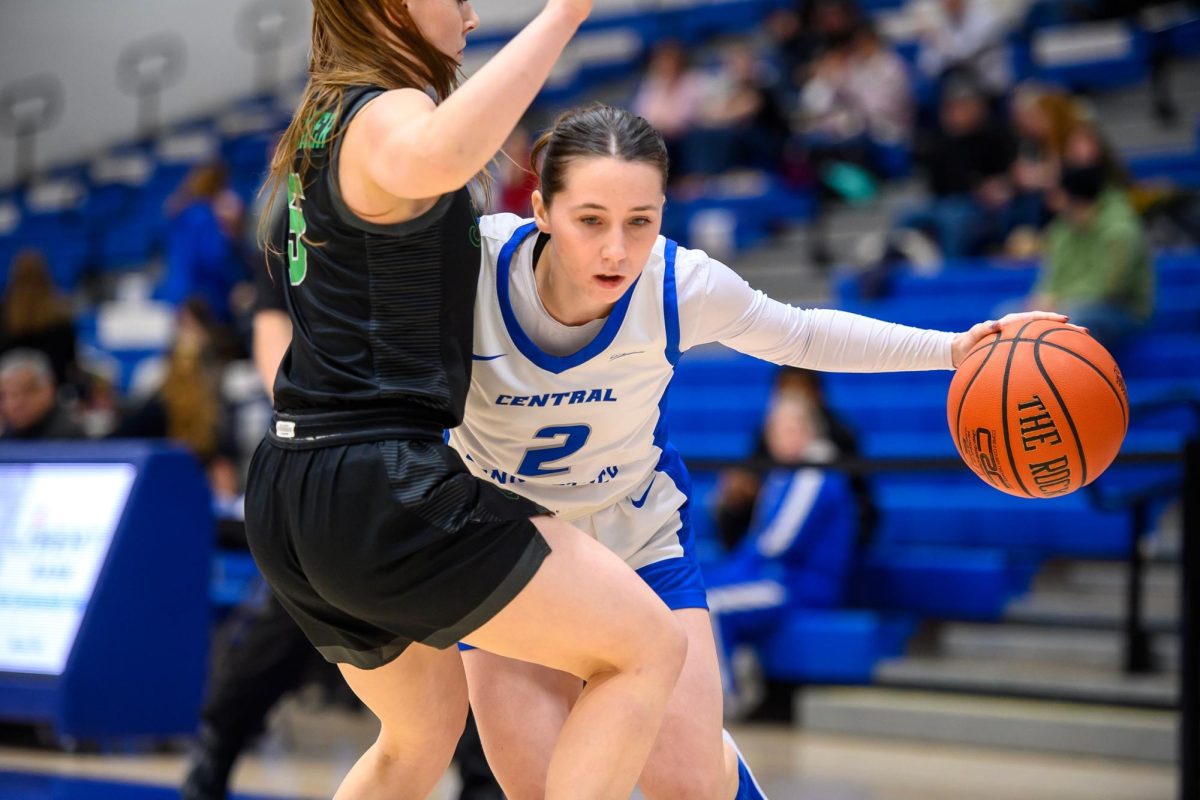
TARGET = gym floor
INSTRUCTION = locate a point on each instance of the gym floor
(306, 752)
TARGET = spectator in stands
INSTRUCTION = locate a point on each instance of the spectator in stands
(1042, 120)
(29, 406)
(202, 247)
(859, 94)
(187, 408)
(967, 37)
(802, 537)
(739, 124)
(1097, 264)
(670, 96)
(738, 487)
(966, 165)
(36, 316)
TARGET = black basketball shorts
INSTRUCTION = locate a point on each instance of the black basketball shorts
(373, 546)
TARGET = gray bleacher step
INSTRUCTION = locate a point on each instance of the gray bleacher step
(1107, 576)
(1102, 649)
(1046, 727)
(1104, 610)
(1030, 679)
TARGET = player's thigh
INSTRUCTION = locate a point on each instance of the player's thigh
(420, 698)
(690, 748)
(520, 709)
(584, 612)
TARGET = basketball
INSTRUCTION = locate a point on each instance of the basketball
(1038, 410)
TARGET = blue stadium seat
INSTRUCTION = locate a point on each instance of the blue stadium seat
(833, 646)
(976, 515)
(944, 582)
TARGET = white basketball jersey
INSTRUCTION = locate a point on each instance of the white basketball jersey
(580, 433)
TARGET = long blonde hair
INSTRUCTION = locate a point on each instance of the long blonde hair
(32, 302)
(192, 399)
(355, 43)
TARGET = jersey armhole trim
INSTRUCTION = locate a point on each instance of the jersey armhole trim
(344, 212)
(671, 303)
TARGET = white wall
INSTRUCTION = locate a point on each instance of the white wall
(80, 40)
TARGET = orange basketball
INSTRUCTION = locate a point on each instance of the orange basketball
(1038, 410)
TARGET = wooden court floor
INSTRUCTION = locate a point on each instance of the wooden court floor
(306, 752)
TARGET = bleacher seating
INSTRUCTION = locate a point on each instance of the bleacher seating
(946, 545)
(937, 531)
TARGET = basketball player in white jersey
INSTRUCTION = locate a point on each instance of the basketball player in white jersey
(580, 318)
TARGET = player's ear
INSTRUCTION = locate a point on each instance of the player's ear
(541, 214)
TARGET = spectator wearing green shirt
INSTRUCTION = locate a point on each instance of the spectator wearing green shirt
(1096, 267)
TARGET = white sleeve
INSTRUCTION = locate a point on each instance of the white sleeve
(716, 305)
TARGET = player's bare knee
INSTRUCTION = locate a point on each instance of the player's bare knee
(663, 646)
(432, 733)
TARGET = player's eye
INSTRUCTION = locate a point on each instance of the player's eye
(640, 221)
(590, 220)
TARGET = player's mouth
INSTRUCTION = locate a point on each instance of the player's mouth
(609, 281)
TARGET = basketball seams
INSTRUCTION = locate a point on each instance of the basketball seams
(962, 398)
(1012, 461)
(1120, 400)
(1037, 359)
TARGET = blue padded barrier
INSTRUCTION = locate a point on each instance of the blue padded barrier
(833, 646)
(980, 516)
(945, 582)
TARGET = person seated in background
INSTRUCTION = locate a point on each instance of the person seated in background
(739, 123)
(1042, 118)
(854, 116)
(29, 406)
(967, 37)
(202, 244)
(802, 538)
(857, 98)
(966, 165)
(188, 408)
(1097, 264)
(738, 487)
(35, 315)
(670, 96)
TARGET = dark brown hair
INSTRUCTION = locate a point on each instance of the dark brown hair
(591, 131)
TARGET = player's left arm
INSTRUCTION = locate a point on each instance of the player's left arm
(718, 305)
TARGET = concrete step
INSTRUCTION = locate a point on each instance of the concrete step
(1107, 576)
(1100, 610)
(1030, 679)
(1044, 727)
(1103, 649)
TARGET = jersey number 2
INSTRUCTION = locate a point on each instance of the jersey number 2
(533, 465)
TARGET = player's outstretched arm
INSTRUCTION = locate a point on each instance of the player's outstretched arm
(965, 342)
(424, 150)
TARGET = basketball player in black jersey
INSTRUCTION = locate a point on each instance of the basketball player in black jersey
(368, 527)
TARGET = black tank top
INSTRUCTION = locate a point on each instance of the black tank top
(382, 314)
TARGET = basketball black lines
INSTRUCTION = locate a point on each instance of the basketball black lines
(1037, 359)
(1012, 352)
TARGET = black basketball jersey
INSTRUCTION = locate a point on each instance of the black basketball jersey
(382, 314)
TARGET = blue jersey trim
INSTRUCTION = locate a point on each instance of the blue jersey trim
(671, 303)
(551, 363)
